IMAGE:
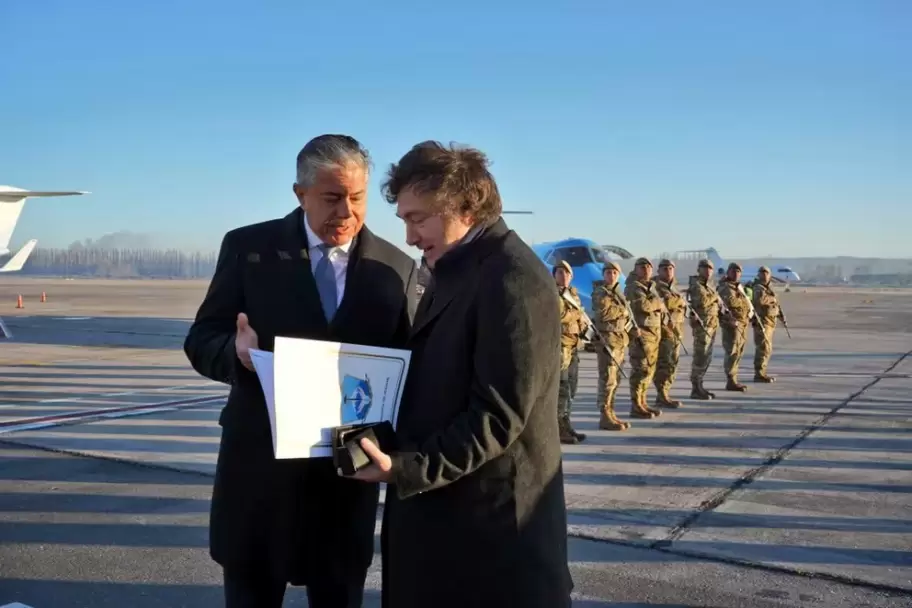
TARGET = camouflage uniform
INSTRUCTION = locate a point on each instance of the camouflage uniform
(702, 296)
(644, 349)
(734, 328)
(572, 327)
(766, 305)
(610, 317)
(669, 345)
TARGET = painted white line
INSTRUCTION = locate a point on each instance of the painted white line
(121, 394)
(15, 605)
(101, 414)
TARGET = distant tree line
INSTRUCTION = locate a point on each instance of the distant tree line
(125, 263)
(79, 261)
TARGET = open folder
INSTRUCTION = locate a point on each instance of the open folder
(312, 386)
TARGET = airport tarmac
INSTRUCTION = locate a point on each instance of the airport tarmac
(797, 493)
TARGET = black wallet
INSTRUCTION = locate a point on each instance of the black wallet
(348, 456)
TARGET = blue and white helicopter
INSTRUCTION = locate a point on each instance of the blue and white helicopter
(586, 258)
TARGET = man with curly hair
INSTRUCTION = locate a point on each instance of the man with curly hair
(475, 513)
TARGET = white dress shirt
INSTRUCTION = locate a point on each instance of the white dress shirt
(338, 259)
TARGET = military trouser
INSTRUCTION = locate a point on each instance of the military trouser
(763, 345)
(702, 351)
(568, 383)
(733, 341)
(574, 377)
(608, 376)
(667, 365)
(644, 354)
(563, 395)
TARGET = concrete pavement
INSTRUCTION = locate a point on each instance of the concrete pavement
(793, 494)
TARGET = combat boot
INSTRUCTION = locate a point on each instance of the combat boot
(698, 392)
(645, 406)
(734, 385)
(580, 437)
(566, 433)
(608, 421)
(763, 378)
(639, 409)
(711, 394)
(663, 400)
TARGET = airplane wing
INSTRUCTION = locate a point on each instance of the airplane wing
(12, 196)
(16, 263)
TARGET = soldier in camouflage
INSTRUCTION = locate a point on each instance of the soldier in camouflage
(734, 327)
(610, 317)
(703, 299)
(572, 329)
(766, 306)
(647, 308)
(672, 334)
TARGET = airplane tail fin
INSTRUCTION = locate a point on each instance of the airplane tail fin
(9, 215)
(716, 259)
(16, 263)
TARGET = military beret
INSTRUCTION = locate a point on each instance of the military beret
(734, 266)
(643, 262)
(611, 264)
(666, 263)
(704, 263)
(763, 269)
(563, 264)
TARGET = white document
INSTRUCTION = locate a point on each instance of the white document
(311, 386)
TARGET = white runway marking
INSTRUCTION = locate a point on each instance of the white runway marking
(103, 414)
(15, 605)
(124, 394)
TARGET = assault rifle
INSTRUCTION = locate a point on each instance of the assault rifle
(592, 333)
(784, 323)
(671, 325)
(753, 314)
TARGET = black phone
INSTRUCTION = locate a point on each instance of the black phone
(348, 455)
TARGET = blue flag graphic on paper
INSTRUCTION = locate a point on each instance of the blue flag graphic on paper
(356, 399)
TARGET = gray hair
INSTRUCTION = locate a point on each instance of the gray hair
(329, 152)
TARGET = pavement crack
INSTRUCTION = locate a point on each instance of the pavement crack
(665, 545)
(749, 476)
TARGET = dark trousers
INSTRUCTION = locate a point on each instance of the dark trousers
(567, 390)
(574, 377)
(259, 592)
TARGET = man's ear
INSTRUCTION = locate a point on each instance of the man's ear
(299, 192)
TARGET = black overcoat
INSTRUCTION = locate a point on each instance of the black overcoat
(475, 513)
(295, 518)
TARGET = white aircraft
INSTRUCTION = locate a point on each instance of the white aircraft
(15, 263)
(686, 264)
(12, 200)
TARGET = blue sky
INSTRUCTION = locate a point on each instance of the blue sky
(771, 128)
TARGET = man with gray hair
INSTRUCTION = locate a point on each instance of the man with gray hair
(317, 273)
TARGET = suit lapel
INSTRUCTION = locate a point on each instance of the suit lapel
(303, 285)
(434, 301)
(362, 247)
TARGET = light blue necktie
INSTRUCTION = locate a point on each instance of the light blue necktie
(325, 276)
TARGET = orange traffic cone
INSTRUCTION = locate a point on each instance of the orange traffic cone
(44, 297)
(19, 302)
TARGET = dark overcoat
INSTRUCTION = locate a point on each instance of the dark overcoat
(475, 513)
(296, 518)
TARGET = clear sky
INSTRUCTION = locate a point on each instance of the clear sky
(759, 128)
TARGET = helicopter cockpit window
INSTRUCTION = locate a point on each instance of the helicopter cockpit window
(575, 256)
(599, 255)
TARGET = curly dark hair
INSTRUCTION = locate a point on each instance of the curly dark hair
(457, 175)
